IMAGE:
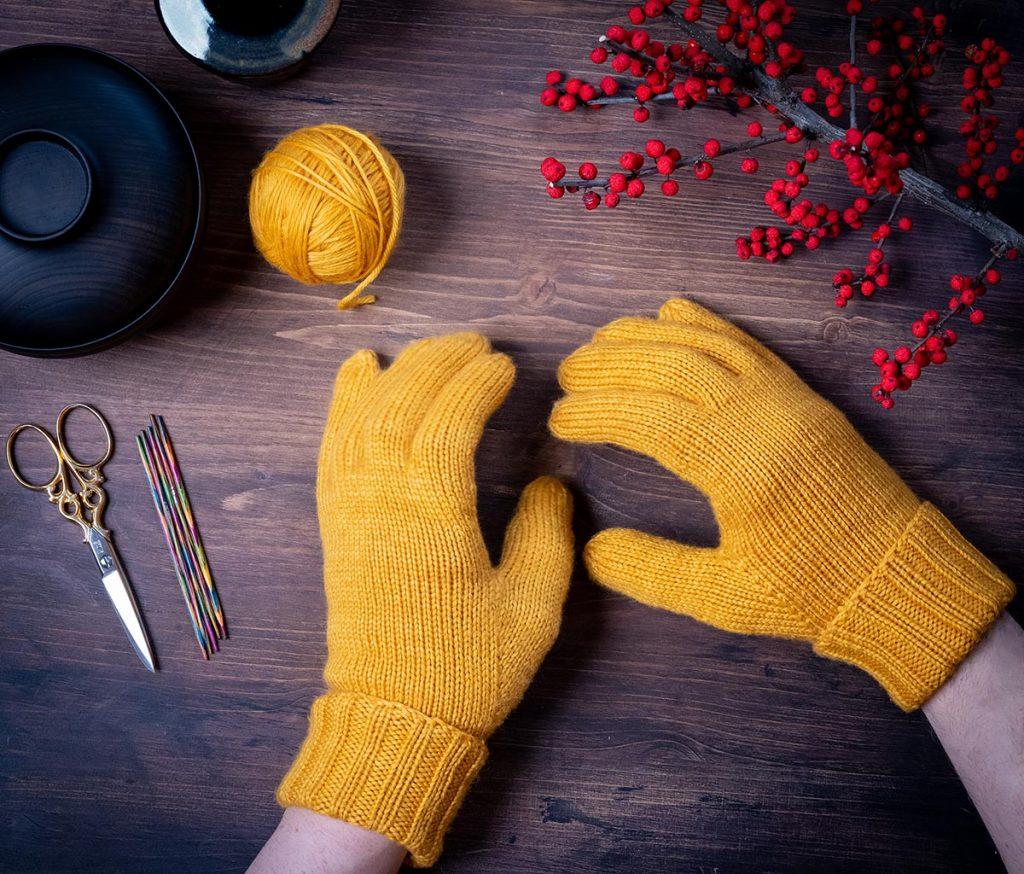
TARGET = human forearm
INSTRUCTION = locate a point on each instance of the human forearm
(308, 843)
(978, 716)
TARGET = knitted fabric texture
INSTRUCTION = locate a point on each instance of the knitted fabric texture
(429, 646)
(820, 539)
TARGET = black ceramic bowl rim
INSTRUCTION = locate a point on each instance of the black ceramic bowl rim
(150, 312)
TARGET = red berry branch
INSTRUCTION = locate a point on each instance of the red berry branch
(745, 63)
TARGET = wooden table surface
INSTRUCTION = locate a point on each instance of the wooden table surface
(648, 742)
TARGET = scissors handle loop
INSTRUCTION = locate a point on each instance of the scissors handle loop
(62, 443)
(13, 465)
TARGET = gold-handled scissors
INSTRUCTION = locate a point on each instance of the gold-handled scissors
(77, 490)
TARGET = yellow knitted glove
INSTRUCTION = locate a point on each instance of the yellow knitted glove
(820, 539)
(428, 645)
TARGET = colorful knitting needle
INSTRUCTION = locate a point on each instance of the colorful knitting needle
(176, 524)
(178, 551)
(186, 591)
(181, 494)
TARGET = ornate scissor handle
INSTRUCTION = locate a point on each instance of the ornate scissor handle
(85, 504)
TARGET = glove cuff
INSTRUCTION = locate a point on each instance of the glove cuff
(385, 767)
(920, 612)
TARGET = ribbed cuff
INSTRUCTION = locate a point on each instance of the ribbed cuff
(921, 611)
(385, 767)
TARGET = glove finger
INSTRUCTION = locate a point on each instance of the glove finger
(705, 584)
(729, 352)
(640, 367)
(535, 569)
(656, 424)
(445, 442)
(351, 385)
(407, 389)
(682, 311)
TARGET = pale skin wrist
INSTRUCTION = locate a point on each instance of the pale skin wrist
(305, 842)
(978, 716)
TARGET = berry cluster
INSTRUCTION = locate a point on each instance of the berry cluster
(982, 77)
(916, 45)
(757, 29)
(898, 371)
(876, 271)
(872, 162)
(834, 83)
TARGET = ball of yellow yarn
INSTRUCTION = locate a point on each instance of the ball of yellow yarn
(326, 206)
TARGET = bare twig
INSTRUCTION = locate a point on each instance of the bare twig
(853, 60)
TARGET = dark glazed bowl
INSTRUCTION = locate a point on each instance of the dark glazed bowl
(246, 39)
(101, 200)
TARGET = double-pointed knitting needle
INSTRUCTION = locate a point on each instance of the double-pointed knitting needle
(185, 558)
(186, 589)
(180, 494)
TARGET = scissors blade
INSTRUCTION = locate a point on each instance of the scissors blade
(115, 581)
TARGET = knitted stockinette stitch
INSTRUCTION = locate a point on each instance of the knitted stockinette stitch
(429, 646)
(820, 539)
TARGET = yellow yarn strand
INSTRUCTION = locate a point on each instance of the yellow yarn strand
(326, 206)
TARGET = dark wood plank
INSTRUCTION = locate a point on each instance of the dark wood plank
(648, 742)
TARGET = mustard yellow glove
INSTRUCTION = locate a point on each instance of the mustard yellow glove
(820, 539)
(428, 645)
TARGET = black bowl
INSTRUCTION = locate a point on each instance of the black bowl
(101, 200)
(265, 40)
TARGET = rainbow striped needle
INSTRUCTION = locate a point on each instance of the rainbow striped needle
(186, 506)
(186, 591)
(180, 541)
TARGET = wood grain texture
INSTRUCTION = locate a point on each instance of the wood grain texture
(648, 742)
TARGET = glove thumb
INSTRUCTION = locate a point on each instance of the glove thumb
(707, 584)
(535, 568)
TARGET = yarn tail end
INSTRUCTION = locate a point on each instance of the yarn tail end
(354, 300)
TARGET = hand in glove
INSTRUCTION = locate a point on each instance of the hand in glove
(820, 539)
(429, 645)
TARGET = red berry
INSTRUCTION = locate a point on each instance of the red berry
(912, 371)
(976, 317)
(611, 199)
(631, 161)
(670, 187)
(703, 170)
(655, 148)
(552, 169)
(905, 224)
(879, 356)
(556, 191)
(591, 200)
(902, 354)
(641, 114)
(635, 188)
(754, 129)
(749, 165)
(553, 78)
(617, 182)
(549, 97)
(712, 148)
(567, 103)
(919, 329)
(992, 276)
(599, 55)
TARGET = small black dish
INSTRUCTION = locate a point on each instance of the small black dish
(243, 39)
(45, 186)
(101, 200)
